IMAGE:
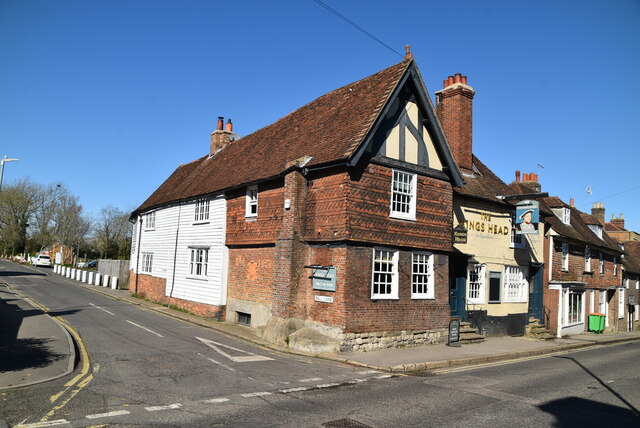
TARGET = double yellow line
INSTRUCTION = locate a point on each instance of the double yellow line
(81, 380)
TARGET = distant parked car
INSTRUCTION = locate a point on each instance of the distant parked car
(82, 264)
(42, 260)
(92, 263)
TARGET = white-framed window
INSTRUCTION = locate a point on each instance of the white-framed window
(587, 259)
(150, 221)
(202, 211)
(198, 262)
(565, 256)
(251, 205)
(621, 303)
(147, 262)
(385, 274)
(566, 215)
(403, 195)
(515, 284)
(422, 281)
(597, 229)
(475, 291)
(601, 262)
(575, 311)
(517, 239)
(637, 313)
(615, 266)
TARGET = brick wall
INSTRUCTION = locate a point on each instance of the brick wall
(576, 267)
(454, 110)
(153, 288)
(251, 274)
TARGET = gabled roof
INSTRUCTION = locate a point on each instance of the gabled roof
(631, 261)
(329, 130)
(578, 230)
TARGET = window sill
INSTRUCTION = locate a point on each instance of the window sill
(404, 218)
(250, 217)
(422, 298)
(195, 223)
(376, 298)
(198, 278)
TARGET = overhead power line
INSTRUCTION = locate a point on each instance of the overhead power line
(353, 24)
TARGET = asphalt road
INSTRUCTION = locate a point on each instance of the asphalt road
(150, 370)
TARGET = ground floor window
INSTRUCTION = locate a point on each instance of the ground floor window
(385, 274)
(147, 262)
(475, 293)
(575, 306)
(515, 284)
(199, 260)
(422, 286)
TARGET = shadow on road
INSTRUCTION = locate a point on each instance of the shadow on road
(20, 273)
(582, 412)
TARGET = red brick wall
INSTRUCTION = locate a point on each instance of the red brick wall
(454, 110)
(326, 209)
(153, 288)
(251, 274)
(262, 229)
(576, 267)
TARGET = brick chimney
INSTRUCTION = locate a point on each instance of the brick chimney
(221, 137)
(618, 222)
(597, 210)
(454, 110)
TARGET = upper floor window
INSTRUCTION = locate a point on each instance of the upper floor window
(517, 239)
(601, 262)
(403, 195)
(615, 266)
(565, 256)
(621, 303)
(566, 215)
(587, 259)
(150, 220)
(385, 274)
(147, 262)
(597, 229)
(202, 210)
(422, 284)
(251, 206)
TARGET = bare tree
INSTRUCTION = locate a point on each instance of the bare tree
(17, 206)
(43, 225)
(71, 227)
(113, 233)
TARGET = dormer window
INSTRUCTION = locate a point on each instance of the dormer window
(566, 215)
(252, 201)
(597, 229)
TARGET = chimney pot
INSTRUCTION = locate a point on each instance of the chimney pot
(464, 80)
(220, 123)
(229, 126)
(408, 54)
(517, 176)
(571, 202)
(458, 78)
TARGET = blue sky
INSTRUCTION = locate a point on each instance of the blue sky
(109, 97)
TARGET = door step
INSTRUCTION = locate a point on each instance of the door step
(469, 335)
(535, 330)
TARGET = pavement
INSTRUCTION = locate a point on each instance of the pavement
(35, 327)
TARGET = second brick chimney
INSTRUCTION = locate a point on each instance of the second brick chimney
(221, 137)
(597, 210)
(454, 110)
(618, 222)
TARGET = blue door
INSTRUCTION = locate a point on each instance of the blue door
(535, 293)
(458, 287)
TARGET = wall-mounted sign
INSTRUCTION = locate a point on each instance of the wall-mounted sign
(324, 299)
(632, 299)
(459, 234)
(527, 215)
(324, 278)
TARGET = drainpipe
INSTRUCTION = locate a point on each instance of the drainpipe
(138, 255)
(175, 256)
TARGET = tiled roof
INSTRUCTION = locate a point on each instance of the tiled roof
(483, 184)
(631, 259)
(329, 129)
(610, 227)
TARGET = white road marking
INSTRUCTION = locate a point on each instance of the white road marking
(102, 309)
(311, 379)
(327, 385)
(109, 414)
(384, 376)
(369, 372)
(45, 424)
(222, 365)
(144, 328)
(216, 400)
(168, 407)
(300, 388)
(250, 357)
(256, 394)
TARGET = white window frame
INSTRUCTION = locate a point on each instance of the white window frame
(251, 202)
(565, 256)
(201, 214)
(198, 262)
(147, 263)
(566, 215)
(601, 262)
(587, 259)
(403, 195)
(615, 266)
(384, 273)
(150, 221)
(636, 314)
(621, 304)
(477, 283)
(515, 284)
(576, 317)
(517, 239)
(422, 280)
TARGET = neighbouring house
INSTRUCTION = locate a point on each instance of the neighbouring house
(615, 227)
(583, 270)
(631, 282)
(494, 263)
(61, 254)
(330, 229)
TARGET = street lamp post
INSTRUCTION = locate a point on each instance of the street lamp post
(2, 162)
